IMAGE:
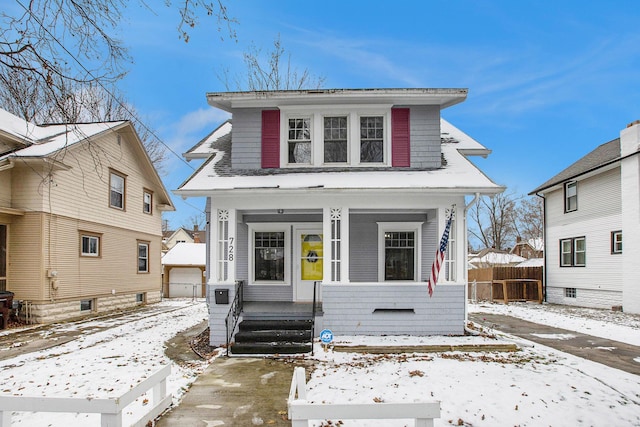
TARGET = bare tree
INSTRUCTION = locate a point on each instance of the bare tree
(270, 71)
(492, 220)
(529, 218)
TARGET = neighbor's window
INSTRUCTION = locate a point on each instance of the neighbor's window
(143, 257)
(570, 292)
(86, 305)
(300, 140)
(269, 256)
(616, 242)
(140, 298)
(573, 252)
(398, 251)
(147, 200)
(335, 139)
(571, 196)
(116, 193)
(372, 139)
(90, 245)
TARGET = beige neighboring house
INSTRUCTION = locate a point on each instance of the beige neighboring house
(181, 235)
(80, 218)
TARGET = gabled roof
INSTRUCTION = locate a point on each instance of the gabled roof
(602, 156)
(227, 101)
(458, 174)
(202, 150)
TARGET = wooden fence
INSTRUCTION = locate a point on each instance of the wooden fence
(484, 283)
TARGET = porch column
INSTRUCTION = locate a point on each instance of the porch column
(335, 224)
(223, 247)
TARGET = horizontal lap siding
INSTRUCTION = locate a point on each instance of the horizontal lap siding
(425, 137)
(349, 309)
(598, 214)
(245, 138)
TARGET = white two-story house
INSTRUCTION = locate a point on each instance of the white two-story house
(338, 196)
(592, 227)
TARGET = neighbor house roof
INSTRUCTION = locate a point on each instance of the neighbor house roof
(604, 155)
(457, 172)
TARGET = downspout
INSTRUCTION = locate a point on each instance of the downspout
(544, 247)
(465, 257)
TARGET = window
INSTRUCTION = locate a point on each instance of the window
(269, 256)
(90, 245)
(335, 139)
(300, 140)
(616, 242)
(372, 139)
(116, 193)
(570, 292)
(140, 298)
(399, 246)
(147, 201)
(86, 305)
(571, 196)
(573, 252)
(143, 257)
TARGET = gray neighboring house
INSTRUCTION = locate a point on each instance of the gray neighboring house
(338, 196)
(592, 227)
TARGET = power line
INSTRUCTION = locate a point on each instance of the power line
(124, 106)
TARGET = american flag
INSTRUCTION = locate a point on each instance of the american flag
(442, 249)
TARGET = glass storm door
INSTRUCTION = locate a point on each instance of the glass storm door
(309, 262)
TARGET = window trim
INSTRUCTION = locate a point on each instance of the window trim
(112, 173)
(146, 192)
(148, 258)
(317, 115)
(270, 227)
(573, 252)
(567, 185)
(385, 227)
(90, 235)
(614, 242)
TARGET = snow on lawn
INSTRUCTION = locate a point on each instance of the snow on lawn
(613, 325)
(534, 386)
(104, 364)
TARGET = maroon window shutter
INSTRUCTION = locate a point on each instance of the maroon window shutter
(400, 140)
(270, 138)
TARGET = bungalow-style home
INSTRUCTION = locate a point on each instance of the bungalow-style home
(588, 208)
(80, 218)
(340, 197)
(183, 269)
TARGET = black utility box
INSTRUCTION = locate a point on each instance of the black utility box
(222, 296)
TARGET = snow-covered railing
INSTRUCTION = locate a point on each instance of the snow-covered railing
(110, 410)
(301, 411)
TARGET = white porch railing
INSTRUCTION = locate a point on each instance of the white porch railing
(110, 409)
(301, 411)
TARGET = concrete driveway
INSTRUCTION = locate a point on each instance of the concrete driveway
(611, 353)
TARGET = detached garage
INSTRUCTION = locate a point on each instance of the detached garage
(183, 271)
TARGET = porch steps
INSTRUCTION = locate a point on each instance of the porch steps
(271, 336)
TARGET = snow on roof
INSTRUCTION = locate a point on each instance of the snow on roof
(186, 254)
(495, 258)
(458, 174)
(532, 262)
(451, 134)
(45, 140)
(202, 149)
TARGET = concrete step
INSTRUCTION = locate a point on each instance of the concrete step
(269, 324)
(282, 335)
(270, 348)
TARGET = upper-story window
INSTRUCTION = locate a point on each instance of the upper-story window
(147, 202)
(360, 136)
(117, 190)
(300, 140)
(571, 196)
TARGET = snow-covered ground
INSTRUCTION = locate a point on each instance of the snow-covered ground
(103, 364)
(536, 386)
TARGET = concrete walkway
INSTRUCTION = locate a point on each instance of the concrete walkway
(611, 353)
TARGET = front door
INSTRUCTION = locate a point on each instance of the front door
(308, 264)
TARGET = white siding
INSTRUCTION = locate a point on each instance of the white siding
(598, 214)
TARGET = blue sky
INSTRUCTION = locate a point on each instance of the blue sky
(548, 80)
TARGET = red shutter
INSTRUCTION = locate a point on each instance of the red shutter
(270, 138)
(400, 140)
